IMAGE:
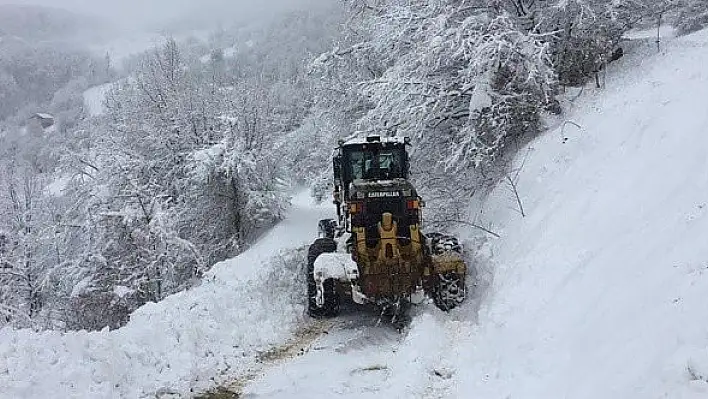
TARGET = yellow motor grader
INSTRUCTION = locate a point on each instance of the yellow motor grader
(375, 251)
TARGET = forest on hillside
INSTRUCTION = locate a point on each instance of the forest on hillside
(202, 140)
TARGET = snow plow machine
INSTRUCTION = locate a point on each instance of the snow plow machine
(374, 252)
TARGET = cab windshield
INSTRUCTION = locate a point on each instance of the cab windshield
(376, 164)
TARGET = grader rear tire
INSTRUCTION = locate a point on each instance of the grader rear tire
(448, 288)
(449, 291)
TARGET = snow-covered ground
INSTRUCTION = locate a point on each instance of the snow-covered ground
(190, 341)
(95, 98)
(599, 292)
(359, 358)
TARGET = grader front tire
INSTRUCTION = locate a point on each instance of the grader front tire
(330, 308)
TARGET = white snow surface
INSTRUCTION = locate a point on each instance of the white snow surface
(361, 138)
(95, 98)
(191, 340)
(57, 187)
(599, 292)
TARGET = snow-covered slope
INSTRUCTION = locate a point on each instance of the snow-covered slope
(95, 97)
(191, 340)
(599, 292)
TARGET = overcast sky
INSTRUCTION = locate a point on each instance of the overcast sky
(159, 13)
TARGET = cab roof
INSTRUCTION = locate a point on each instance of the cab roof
(374, 139)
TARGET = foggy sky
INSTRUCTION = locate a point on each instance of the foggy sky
(158, 14)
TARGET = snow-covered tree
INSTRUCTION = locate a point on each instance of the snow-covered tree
(460, 78)
(692, 16)
(23, 224)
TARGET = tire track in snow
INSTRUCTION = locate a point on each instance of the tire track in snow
(355, 334)
(351, 358)
(298, 345)
(355, 330)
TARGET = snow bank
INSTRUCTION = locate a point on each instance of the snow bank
(600, 292)
(178, 344)
(191, 340)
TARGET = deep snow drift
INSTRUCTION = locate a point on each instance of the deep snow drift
(599, 292)
(191, 340)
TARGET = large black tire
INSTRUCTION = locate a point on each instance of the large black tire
(449, 291)
(440, 243)
(331, 304)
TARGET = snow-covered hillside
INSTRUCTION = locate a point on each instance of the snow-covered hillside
(190, 341)
(95, 97)
(599, 292)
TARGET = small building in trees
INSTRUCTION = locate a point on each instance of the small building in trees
(44, 120)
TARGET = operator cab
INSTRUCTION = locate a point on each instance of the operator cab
(371, 159)
(366, 162)
(370, 179)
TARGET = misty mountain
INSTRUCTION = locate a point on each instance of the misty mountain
(39, 23)
(42, 51)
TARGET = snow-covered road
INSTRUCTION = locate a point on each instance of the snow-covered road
(351, 359)
(95, 97)
(297, 229)
(358, 358)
